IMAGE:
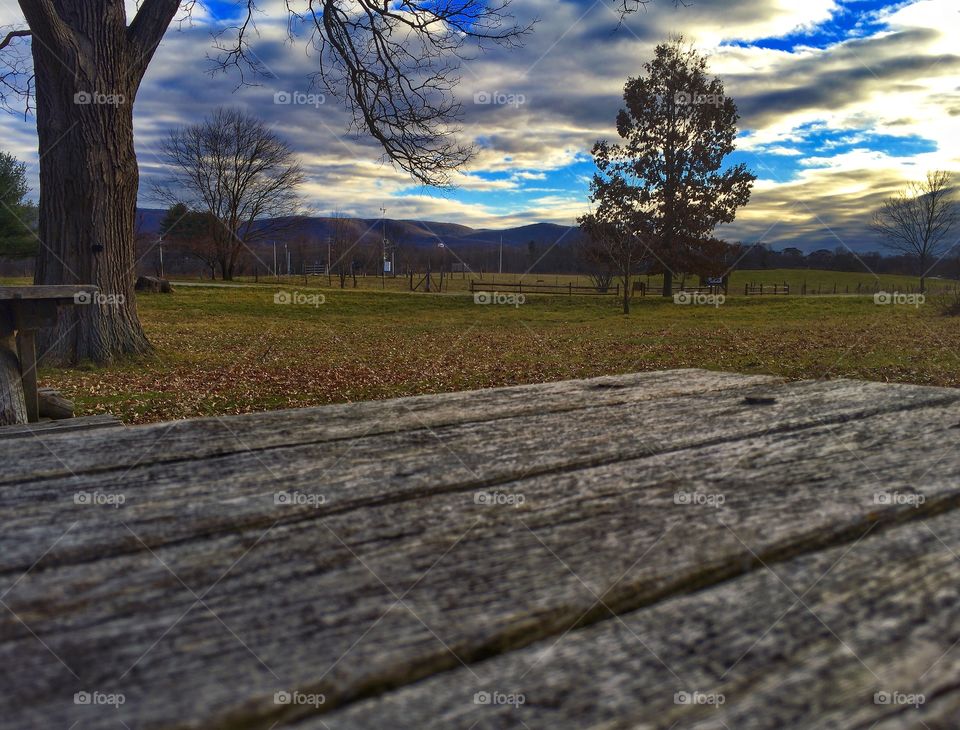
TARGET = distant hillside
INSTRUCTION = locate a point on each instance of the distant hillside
(405, 232)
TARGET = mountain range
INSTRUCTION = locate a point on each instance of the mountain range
(404, 232)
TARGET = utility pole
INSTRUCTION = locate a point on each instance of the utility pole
(275, 272)
(160, 247)
(383, 246)
(501, 254)
(329, 280)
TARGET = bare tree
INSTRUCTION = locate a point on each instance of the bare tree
(919, 221)
(342, 243)
(393, 64)
(191, 233)
(618, 238)
(234, 168)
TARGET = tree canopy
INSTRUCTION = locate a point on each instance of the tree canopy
(17, 214)
(665, 179)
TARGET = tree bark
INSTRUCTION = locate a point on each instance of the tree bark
(13, 407)
(627, 275)
(88, 198)
(667, 283)
(53, 405)
(87, 67)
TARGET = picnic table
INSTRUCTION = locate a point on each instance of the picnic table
(678, 549)
(23, 311)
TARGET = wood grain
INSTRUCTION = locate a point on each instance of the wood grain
(401, 575)
(59, 293)
(383, 468)
(250, 433)
(804, 643)
(13, 407)
(46, 426)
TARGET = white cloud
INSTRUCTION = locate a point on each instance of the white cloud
(902, 81)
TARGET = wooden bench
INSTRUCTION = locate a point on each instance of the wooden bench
(24, 310)
(679, 549)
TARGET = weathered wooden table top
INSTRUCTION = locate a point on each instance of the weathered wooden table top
(667, 550)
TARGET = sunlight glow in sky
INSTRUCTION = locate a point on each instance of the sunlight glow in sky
(842, 102)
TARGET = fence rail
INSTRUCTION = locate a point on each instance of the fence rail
(760, 289)
(645, 290)
(520, 287)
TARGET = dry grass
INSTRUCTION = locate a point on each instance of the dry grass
(224, 351)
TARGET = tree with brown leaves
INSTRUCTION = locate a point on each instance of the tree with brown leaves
(677, 127)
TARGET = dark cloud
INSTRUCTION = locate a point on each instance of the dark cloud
(570, 74)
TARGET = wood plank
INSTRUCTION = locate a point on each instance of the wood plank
(13, 407)
(80, 423)
(206, 437)
(62, 293)
(806, 643)
(356, 473)
(27, 353)
(313, 605)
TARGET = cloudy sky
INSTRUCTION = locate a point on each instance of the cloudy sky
(842, 102)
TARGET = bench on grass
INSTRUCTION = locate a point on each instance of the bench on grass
(676, 549)
(23, 311)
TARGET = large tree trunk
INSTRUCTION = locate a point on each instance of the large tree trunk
(667, 283)
(87, 67)
(88, 199)
(627, 276)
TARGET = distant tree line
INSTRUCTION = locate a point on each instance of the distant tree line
(758, 256)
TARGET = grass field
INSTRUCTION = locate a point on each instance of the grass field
(230, 350)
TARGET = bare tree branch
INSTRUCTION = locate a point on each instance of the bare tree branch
(919, 221)
(394, 65)
(238, 173)
(11, 35)
(46, 24)
(16, 78)
(147, 29)
(626, 7)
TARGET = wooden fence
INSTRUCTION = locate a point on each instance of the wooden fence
(760, 289)
(520, 287)
(645, 290)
